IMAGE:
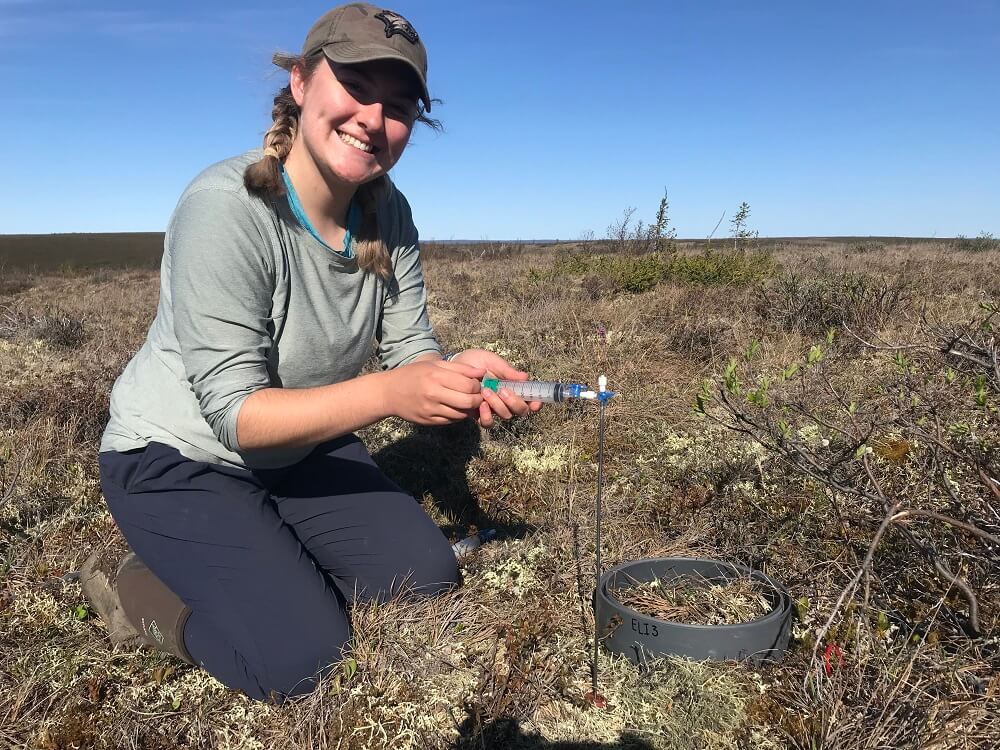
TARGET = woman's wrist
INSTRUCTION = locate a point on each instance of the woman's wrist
(387, 391)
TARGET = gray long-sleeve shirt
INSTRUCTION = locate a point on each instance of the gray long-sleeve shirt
(249, 299)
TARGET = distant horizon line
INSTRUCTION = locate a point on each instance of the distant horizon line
(431, 240)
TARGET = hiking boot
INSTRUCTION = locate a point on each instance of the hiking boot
(152, 608)
(137, 608)
(97, 579)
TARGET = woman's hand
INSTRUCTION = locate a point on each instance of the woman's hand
(504, 404)
(434, 392)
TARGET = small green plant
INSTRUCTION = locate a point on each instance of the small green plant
(661, 235)
(348, 669)
(740, 229)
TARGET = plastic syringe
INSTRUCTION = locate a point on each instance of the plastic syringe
(547, 391)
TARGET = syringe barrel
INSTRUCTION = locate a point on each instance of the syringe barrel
(547, 391)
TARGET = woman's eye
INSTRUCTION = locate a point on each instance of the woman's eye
(401, 110)
(354, 87)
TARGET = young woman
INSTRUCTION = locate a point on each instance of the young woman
(229, 463)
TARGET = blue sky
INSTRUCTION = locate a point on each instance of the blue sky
(862, 118)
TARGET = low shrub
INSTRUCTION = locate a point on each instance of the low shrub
(636, 274)
(866, 247)
(913, 438)
(981, 243)
(606, 274)
(701, 336)
(573, 264)
(813, 305)
(53, 325)
(13, 282)
(59, 328)
(722, 268)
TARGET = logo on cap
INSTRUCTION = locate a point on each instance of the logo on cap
(396, 24)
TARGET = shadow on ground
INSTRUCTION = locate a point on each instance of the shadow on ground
(431, 461)
(507, 734)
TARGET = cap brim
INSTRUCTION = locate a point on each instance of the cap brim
(346, 53)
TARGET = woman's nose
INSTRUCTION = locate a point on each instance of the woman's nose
(370, 116)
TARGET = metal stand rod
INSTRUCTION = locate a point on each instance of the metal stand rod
(600, 492)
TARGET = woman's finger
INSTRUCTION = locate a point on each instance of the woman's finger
(476, 373)
(460, 382)
(449, 414)
(501, 368)
(515, 403)
(461, 401)
(506, 371)
(497, 404)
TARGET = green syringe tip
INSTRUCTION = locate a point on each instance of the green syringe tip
(492, 383)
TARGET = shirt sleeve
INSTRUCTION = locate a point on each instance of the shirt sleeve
(221, 294)
(405, 331)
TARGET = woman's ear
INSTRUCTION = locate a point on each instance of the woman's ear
(297, 83)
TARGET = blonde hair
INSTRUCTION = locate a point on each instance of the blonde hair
(263, 178)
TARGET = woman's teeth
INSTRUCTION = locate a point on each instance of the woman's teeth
(350, 140)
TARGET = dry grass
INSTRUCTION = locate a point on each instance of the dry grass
(505, 662)
(696, 601)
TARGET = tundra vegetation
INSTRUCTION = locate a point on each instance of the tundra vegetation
(693, 600)
(825, 411)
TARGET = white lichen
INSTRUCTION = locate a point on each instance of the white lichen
(531, 461)
(513, 575)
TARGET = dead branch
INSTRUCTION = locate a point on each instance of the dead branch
(882, 345)
(975, 530)
(960, 583)
(992, 484)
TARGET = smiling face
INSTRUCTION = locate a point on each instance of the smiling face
(355, 120)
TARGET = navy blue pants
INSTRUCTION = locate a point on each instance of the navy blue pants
(268, 560)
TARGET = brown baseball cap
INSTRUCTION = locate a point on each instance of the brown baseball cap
(359, 32)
